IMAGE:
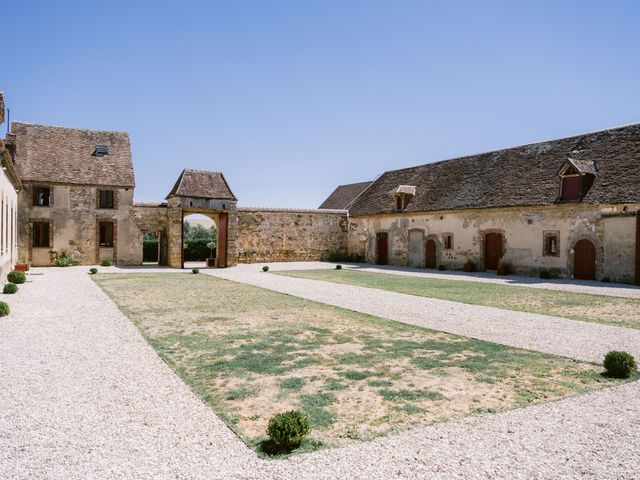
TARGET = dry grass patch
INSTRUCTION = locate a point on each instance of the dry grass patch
(621, 312)
(250, 353)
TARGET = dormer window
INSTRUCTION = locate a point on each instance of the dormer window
(576, 179)
(570, 187)
(402, 196)
(101, 150)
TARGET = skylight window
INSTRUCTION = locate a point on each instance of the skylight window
(101, 150)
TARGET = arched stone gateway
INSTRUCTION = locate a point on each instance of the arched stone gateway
(207, 193)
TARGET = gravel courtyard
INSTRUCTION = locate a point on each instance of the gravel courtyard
(84, 396)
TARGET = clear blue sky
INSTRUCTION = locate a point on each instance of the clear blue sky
(291, 98)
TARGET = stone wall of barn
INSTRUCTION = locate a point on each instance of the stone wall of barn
(611, 229)
(280, 235)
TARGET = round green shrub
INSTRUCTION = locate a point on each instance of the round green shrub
(338, 267)
(4, 309)
(195, 270)
(10, 288)
(16, 277)
(265, 268)
(287, 429)
(93, 270)
(620, 364)
(545, 275)
(106, 262)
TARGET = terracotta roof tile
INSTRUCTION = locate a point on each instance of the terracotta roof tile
(65, 155)
(202, 184)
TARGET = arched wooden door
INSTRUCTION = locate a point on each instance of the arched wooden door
(492, 250)
(382, 248)
(584, 260)
(430, 254)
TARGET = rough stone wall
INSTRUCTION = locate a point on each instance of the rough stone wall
(523, 231)
(154, 218)
(73, 217)
(273, 235)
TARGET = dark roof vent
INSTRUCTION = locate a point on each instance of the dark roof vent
(101, 150)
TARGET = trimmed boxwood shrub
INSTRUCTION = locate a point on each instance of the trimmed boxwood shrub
(287, 429)
(106, 262)
(4, 309)
(265, 268)
(620, 364)
(195, 270)
(338, 267)
(16, 277)
(93, 270)
(10, 288)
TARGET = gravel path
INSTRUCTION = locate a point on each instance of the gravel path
(559, 336)
(84, 396)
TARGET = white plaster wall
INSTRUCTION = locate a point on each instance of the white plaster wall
(8, 229)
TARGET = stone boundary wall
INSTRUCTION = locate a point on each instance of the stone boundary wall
(285, 235)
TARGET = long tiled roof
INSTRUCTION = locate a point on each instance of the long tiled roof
(342, 196)
(519, 176)
(202, 184)
(66, 155)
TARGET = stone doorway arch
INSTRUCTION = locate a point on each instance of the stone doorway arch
(206, 193)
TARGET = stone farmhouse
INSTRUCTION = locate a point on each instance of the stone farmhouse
(569, 207)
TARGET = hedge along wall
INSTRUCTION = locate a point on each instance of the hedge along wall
(197, 250)
(278, 235)
(194, 251)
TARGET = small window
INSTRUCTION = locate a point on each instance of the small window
(106, 199)
(101, 150)
(399, 202)
(40, 234)
(106, 234)
(42, 196)
(551, 244)
(571, 187)
(448, 242)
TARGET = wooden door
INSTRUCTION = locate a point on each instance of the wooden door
(223, 224)
(430, 254)
(382, 248)
(492, 250)
(584, 260)
(416, 248)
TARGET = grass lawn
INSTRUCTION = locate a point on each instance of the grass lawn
(250, 353)
(622, 312)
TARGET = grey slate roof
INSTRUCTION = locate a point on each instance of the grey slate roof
(202, 184)
(342, 196)
(519, 176)
(65, 155)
